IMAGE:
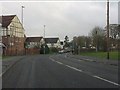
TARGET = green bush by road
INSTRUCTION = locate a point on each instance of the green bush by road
(103, 55)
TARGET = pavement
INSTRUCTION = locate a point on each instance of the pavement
(9, 62)
(59, 71)
(94, 59)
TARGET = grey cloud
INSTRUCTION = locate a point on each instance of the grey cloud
(62, 18)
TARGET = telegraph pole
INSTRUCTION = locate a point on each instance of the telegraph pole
(44, 38)
(108, 29)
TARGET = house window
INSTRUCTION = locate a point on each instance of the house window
(3, 32)
(11, 44)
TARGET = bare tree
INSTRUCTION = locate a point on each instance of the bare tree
(98, 37)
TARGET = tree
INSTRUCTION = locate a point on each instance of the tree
(75, 46)
(98, 38)
(42, 49)
(47, 50)
(114, 30)
(66, 41)
(118, 28)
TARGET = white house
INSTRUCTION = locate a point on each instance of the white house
(53, 42)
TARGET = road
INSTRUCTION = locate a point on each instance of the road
(59, 71)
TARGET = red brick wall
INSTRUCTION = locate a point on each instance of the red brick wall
(17, 48)
(31, 51)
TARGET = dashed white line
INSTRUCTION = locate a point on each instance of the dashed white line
(74, 68)
(56, 61)
(85, 72)
(52, 59)
(80, 60)
(59, 62)
(106, 80)
(89, 60)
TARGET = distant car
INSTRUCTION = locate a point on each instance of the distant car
(62, 51)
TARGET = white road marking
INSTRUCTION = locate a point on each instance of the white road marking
(59, 62)
(74, 68)
(80, 60)
(52, 59)
(106, 80)
(55, 61)
(89, 60)
(85, 73)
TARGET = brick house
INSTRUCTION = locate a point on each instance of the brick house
(33, 45)
(13, 35)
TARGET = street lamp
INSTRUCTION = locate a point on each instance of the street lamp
(108, 29)
(22, 7)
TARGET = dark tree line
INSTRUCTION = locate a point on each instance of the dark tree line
(97, 40)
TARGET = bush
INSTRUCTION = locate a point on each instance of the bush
(47, 50)
(53, 50)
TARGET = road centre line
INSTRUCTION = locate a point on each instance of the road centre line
(74, 68)
(59, 62)
(51, 59)
(55, 61)
(106, 80)
(85, 73)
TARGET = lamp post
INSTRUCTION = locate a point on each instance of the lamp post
(44, 38)
(22, 7)
(108, 29)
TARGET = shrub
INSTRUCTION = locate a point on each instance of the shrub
(54, 50)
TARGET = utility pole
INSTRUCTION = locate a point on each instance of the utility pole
(44, 38)
(108, 29)
(96, 42)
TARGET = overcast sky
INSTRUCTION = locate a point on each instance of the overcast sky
(61, 18)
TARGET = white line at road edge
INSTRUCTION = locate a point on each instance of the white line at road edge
(85, 73)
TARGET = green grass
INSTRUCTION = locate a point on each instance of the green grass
(102, 55)
(5, 57)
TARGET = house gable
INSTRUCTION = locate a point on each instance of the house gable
(6, 20)
(51, 40)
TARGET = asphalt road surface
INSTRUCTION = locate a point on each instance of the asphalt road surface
(59, 71)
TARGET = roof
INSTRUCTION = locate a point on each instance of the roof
(6, 20)
(51, 40)
(33, 39)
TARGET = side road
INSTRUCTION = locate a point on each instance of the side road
(9, 62)
(94, 59)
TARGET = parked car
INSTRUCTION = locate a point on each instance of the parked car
(61, 51)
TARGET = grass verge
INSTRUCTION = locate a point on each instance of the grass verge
(102, 55)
